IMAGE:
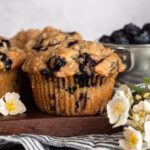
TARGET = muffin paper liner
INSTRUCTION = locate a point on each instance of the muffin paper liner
(63, 96)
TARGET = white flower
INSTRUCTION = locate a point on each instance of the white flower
(136, 117)
(142, 106)
(147, 132)
(132, 140)
(138, 107)
(147, 117)
(127, 92)
(118, 109)
(11, 105)
(147, 106)
(140, 114)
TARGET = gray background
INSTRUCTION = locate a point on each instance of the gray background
(90, 17)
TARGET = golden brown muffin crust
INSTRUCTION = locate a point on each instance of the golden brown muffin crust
(49, 37)
(10, 57)
(76, 57)
(23, 37)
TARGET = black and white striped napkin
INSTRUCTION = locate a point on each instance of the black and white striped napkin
(42, 142)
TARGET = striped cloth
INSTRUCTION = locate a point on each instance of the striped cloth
(42, 142)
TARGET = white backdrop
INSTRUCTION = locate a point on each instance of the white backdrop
(90, 17)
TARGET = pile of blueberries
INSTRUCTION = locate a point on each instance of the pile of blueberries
(129, 34)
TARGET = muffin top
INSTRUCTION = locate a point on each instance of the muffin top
(10, 57)
(23, 37)
(49, 37)
(75, 57)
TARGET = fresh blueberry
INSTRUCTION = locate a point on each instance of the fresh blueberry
(105, 39)
(117, 34)
(131, 29)
(142, 38)
(121, 40)
(146, 27)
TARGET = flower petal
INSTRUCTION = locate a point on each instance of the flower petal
(123, 144)
(12, 105)
(132, 141)
(20, 108)
(112, 118)
(120, 118)
(139, 107)
(9, 96)
(146, 106)
(127, 92)
(147, 132)
(3, 109)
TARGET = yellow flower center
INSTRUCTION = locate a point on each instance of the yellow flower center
(142, 114)
(132, 140)
(118, 108)
(10, 106)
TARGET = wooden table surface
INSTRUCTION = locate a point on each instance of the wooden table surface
(36, 122)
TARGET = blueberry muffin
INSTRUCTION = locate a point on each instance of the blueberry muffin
(23, 37)
(48, 38)
(11, 60)
(20, 40)
(73, 78)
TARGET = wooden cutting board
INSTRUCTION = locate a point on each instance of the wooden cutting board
(36, 122)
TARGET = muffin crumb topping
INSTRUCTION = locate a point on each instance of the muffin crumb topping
(10, 57)
(49, 37)
(82, 60)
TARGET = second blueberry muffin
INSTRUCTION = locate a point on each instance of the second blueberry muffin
(73, 78)
(11, 60)
(23, 37)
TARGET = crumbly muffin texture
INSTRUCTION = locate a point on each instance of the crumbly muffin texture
(75, 57)
(73, 78)
(10, 57)
(23, 37)
(49, 37)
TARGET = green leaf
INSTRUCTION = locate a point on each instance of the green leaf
(137, 89)
(146, 80)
